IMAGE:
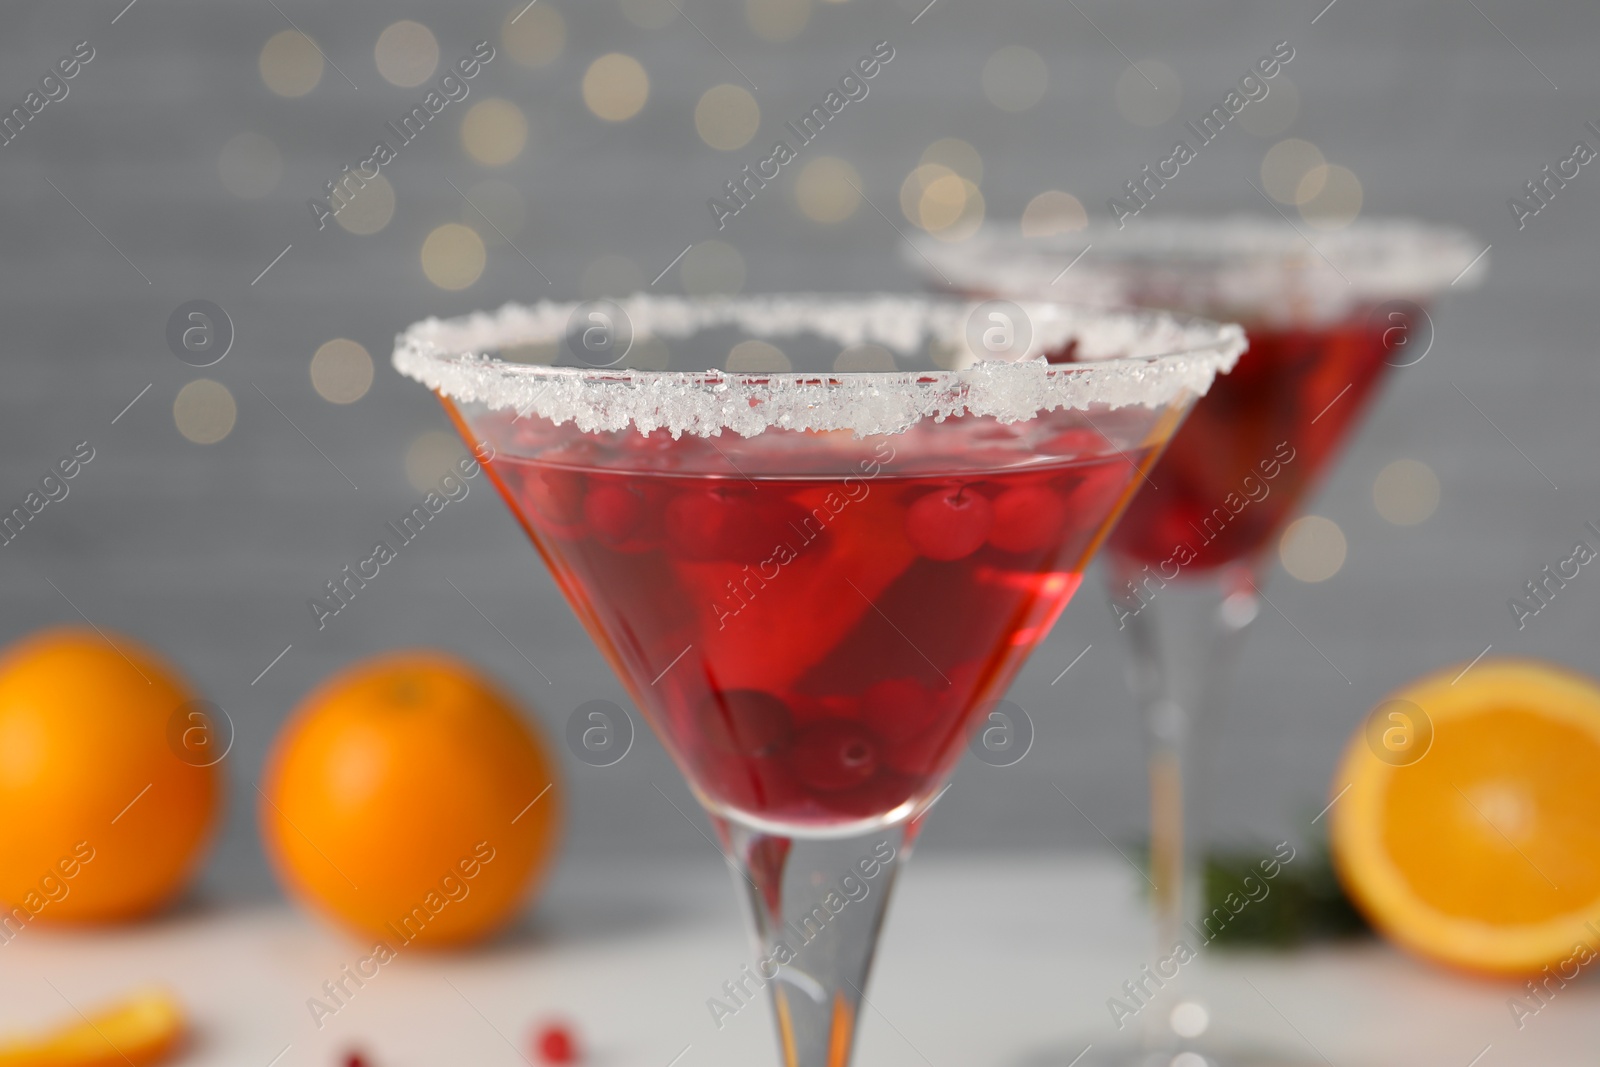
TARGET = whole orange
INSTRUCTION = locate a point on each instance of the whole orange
(99, 817)
(408, 800)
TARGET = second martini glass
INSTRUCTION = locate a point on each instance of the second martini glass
(1187, 560)
(812, 582)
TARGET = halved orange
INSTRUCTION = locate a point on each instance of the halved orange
(140, 1030)
(1468, 829)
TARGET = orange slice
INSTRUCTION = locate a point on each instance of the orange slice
(1470, 828)
(142, 1029)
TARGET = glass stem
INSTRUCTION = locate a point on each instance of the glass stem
(1185, 638)
(816, 907)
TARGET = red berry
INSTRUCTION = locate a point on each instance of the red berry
(355, 1059)
(556, 495)
(1027, 518)
(948, 524)
(613, 511)
(834, 754)
(555, 1044)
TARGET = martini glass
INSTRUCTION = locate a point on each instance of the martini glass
(811, 582)
(1325, 318)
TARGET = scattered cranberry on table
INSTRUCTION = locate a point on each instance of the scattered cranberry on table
(554, 1044)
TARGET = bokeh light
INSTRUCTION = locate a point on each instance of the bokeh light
(407, 53)
(649, 14)
(204, 411)
(615, 87)
(290, 64)
(1053, 212)
(494, 132)
(1274, 113)
(250, 166)
(430, 456)
(1312, 549)
(757, 357)
(865, 357)
(1189, 1019)
(956, 154)
(453, 256)
(711, 268)
(942, 215)
(727, 116)
(911, 189)
(610, 275)
(369, 209)
(1406, 492)
(944, 203)
(341, 371)
(1329, 197)
(1148, 93)
(499, 202)
(827, 190)
(1015, 78)
(536, 37)
(777, 20)
(1284, 169)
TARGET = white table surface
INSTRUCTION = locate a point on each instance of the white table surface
(985, 960)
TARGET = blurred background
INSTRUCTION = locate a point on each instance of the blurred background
(180, 165)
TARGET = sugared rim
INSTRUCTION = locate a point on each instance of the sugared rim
(1379, 259)
(1129, 358)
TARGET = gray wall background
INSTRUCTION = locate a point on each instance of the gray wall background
(210, 552)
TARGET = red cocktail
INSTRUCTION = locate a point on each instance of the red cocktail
(1241, 464)
(835, 631)
(1324, 316)
(812, 582)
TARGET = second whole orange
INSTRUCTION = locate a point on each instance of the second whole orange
(409, 801)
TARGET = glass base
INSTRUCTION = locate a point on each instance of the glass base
(1199, 1053)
